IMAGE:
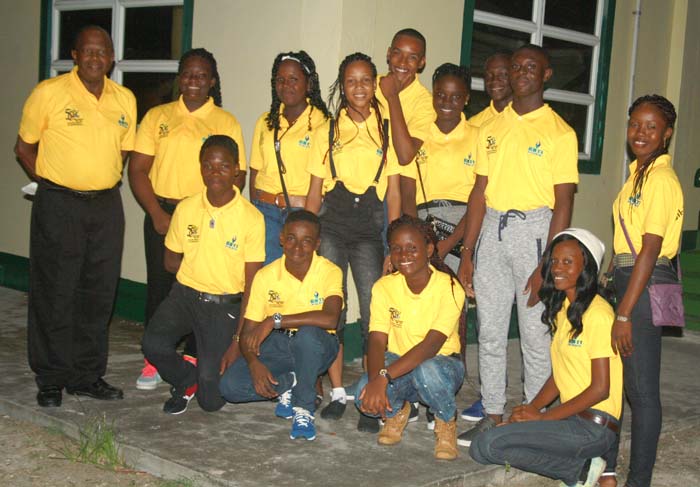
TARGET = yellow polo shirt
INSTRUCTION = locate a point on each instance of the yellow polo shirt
(571, 357)
(174, 135)
(80, 137)
(484, 115)
(295, 149)
(417, 105)
(216, 242)
(356, 155)
(275, 290)
(407, 318)
(446, 164)
(656, 209)
(524, 157)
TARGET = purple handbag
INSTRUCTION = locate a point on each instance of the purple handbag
(666, 300)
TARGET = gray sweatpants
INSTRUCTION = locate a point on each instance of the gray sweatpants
(509, 248)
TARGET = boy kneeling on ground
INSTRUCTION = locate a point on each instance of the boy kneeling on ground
(215, 244)
(288, 337)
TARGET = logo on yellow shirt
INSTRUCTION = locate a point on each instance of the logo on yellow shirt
(395, 317)
(73, 117)
(305, 142)
(273, 298)
(536, 149)
(163, 130)
(469, 161)
(635, 200)
(317, 299)
(491, 144)
(576, 342)
(122, 122)
(421, 156)
(380, 153)
(232, 244)
(192, 233)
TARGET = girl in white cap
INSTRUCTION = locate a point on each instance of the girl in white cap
(565, 442)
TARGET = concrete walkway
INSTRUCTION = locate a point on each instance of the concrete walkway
(245, 445)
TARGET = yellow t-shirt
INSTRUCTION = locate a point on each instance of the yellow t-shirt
(275, 290)
(174, 135)
(417, 106)
(484, 115)
(407, 318)
(80, 137)
(356, 155)
(524, 157)
(657, 209)
(295, 148)
(571, 357)
(216, 242)
(446, 164)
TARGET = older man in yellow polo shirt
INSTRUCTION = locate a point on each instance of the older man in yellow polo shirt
(75, 132)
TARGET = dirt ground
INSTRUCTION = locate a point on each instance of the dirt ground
(33, 456)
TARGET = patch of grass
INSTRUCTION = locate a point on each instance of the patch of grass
(97, 445)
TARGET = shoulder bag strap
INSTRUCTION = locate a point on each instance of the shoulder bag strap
(280, 167)
(385, 147)
(331, 133)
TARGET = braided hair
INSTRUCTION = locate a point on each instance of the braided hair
(668, 111)
(200, 52)
(338, 101)
(459, 72)
(308, 67)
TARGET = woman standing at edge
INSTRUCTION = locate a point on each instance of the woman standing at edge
(282, 138)
(651, 204)
(164, 169)
(354, 161)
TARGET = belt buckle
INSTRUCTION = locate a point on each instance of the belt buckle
(279, 201)
(204, 298)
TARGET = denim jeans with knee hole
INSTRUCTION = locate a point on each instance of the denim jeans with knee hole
(555, 449)
(434, 383)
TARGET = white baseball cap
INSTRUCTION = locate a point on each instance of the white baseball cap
(590, 241)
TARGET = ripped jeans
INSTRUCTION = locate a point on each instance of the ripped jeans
(434, 383)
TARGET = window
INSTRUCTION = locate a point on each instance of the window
(149, 38)
(578, 36)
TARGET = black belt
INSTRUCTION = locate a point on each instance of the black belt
(85, 195)
(219, 298)
(612, 424)
(289, 333)
(440, 204)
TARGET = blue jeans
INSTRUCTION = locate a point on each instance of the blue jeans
(274, 221)
(434, 383)
(641, 373)
(308, 354)
(555, 449)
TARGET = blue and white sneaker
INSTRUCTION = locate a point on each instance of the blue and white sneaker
(303, 425)
(475, 412)
(284, 405)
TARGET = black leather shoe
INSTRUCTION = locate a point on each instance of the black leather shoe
(49, 397)
(97, 390)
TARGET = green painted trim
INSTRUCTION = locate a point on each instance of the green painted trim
(593, 165)
(131, 300)
(465, 56)
(689, 240)
(45, 40)
(187, 20)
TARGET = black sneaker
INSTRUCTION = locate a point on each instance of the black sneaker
(413, 417)
(367, 424)
(334, 410)
(177, 404)
(430, 418)
(465, 439)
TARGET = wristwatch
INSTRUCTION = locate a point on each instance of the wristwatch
(385, 373)
(277, 320)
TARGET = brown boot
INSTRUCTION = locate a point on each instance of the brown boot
(393, 427)
(445, 439)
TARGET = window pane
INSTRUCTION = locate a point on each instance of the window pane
(477, 102)
(571, 65)
(153, 33)
(578, 15)
(71, 21)
(520, 9)
(151, 89)
(575, 115)
(487, 39)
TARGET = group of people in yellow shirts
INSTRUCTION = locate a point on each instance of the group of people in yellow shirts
(259, 286)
